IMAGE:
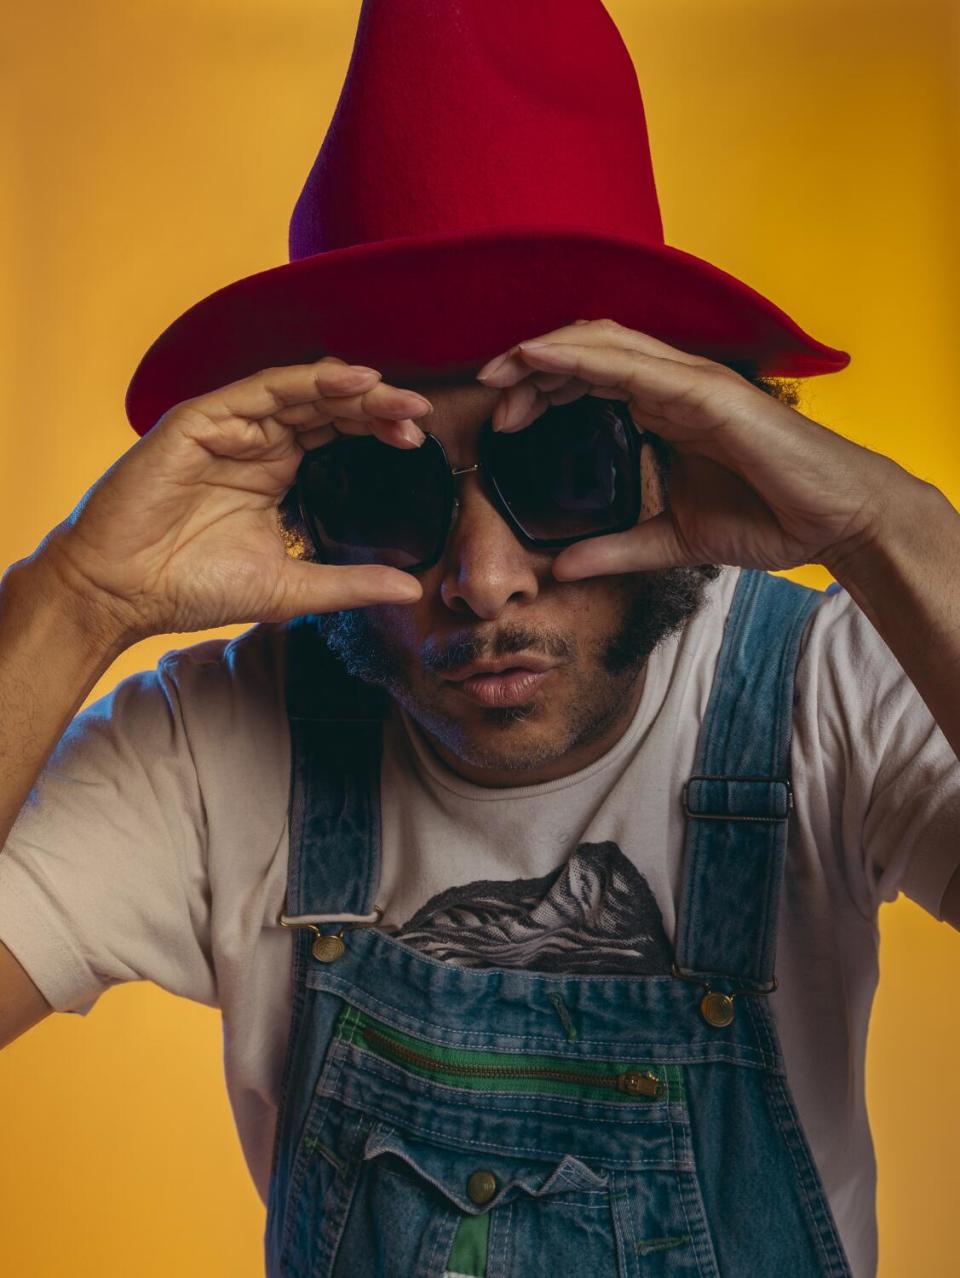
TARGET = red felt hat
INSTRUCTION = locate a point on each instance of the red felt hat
(486, 178)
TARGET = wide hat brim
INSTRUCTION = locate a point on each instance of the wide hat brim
(436, 307)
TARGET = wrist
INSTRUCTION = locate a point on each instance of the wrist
(914, 532)
(897, 526)
(42, 592)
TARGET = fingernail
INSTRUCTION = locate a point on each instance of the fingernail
(400, 592)
(491, 366)
(532, 346)
(413, 398)
(413, 435)
(362, 368)
(502, 415)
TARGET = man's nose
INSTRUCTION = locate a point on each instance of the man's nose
(485, 567)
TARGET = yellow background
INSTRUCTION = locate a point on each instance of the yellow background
(153, 150)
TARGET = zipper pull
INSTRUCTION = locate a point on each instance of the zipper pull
(637, 1083)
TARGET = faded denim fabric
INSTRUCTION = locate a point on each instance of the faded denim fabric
(438, 1119)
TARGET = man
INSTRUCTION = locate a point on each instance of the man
(507, 1047)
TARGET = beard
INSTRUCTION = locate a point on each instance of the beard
(655, 605)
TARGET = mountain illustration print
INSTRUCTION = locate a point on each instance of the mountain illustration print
(593, 915)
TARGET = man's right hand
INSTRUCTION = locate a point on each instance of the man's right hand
(181, 533)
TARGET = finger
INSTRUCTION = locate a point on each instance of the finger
(575, 388)
(548, 381)
(273, 389)
(404, 433)
(314, 427)
(651, 545)
(519, 415)
(518, 405)
(316, 438)
(653, 386)
(302, 415)
(308, 588)
(504, 369)
(380, 400)
(401, 433)
(353, 416)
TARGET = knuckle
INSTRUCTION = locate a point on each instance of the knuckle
(720, 372)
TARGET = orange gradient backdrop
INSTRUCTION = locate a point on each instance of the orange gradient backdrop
(155, 149)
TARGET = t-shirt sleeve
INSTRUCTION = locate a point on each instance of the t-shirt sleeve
(102, 876)
(900, 806)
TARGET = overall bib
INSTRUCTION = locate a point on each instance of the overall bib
(438, 1119)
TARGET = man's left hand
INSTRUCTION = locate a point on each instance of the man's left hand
(752, 482)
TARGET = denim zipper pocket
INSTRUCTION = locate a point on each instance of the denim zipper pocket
(501, 1071)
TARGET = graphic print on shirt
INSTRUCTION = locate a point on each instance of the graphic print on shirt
(596, 914)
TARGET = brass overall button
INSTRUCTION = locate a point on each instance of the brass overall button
(327, 948)
(717, 1009)
(481, 1186)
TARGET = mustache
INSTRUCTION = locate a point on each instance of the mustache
(466, 647)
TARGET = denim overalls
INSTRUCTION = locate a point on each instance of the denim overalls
(438, 1119)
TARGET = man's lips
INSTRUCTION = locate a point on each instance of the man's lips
(511, 681)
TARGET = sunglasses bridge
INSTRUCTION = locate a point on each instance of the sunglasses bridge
(630, 512)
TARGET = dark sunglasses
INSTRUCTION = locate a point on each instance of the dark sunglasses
(571, 474)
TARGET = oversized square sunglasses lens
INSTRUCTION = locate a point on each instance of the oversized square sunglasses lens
(366, 502)
(570, 474)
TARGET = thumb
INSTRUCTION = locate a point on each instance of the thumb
(309, 588)
(648, 546)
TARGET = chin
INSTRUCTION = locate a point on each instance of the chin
(511, 739)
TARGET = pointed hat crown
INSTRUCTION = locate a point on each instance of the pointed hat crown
(469, 117)
(485, 178)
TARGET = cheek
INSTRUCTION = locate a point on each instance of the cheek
(597, 605)
(401, 627)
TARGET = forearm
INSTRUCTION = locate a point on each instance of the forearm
(907, 581)
(53, 649)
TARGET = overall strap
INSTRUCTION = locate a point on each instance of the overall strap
(739, 799)
(336, 724)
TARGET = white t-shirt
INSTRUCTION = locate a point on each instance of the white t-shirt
(154, 846)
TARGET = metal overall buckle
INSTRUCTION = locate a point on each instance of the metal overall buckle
(716, 1007)
(329, 946)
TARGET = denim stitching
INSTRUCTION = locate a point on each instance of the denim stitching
(316, 1116)
(345, 1201)
(619, 1207)
(746, 586)
(455, 1098)
(778, 835)
(462, 1143)
(505, 1218)
(442, 1238)
(547, 1204)
(566, 1173)
(491, 1147)
(731, 1053)
(630, 1113)
(701, 1236)
(651, 1245)
(826, 1240)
